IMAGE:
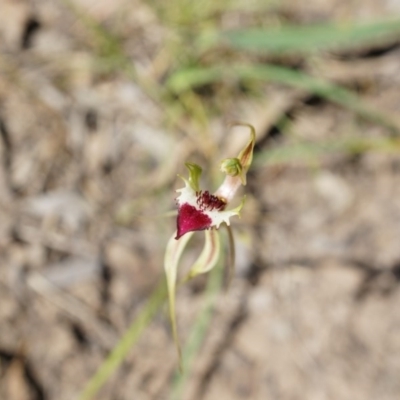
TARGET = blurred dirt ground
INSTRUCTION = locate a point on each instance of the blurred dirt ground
(88, 168)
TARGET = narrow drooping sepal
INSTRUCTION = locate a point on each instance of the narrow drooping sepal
(173, 254)
(209, 256)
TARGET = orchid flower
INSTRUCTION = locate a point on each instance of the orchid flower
(200, 210)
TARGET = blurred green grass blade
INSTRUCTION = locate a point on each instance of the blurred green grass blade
(303, 39)
(193, 77)
(307, 152)
(131, 336)
(190, 78)
(324, 89)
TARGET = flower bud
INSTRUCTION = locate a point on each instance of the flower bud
(231, 166)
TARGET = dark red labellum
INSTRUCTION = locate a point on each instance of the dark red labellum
(191, 219)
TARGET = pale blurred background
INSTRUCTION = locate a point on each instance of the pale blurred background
(102, 103)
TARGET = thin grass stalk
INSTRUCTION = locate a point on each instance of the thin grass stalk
(120, 351)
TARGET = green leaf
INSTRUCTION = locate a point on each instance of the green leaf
(190, 78)
(312, 152)
(303, 39)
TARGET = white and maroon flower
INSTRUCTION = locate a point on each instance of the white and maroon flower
(199, 210)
